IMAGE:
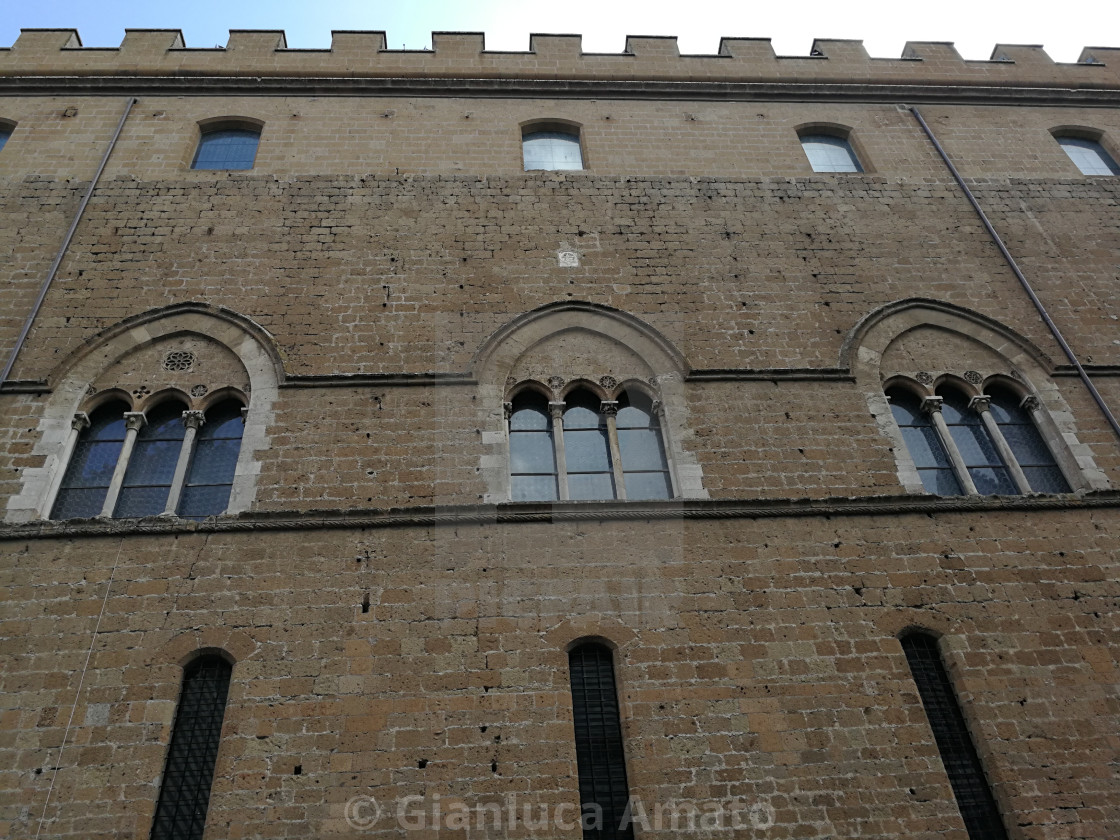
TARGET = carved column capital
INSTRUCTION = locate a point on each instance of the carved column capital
(980, 403)
(658, 408)
(193, 419)
(507, 410)
(932, 405)
(556, 410)
(134, 421)
(609, 408)
(1030, 403)
(80, 421)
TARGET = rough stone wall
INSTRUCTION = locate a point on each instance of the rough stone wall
(756, 659)
(379, 242)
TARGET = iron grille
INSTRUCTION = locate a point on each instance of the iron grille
(966, 774)
(599, 756)
(185, 793)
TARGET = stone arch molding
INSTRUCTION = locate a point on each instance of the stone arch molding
(924, 342)
(241, 359)
(604, 349)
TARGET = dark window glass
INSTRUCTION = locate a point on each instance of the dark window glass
(83, 489)
(958, 754)
(551, 150)
(976, 446)
(923, 444)
(227, 148)
(532, 456)
(827, 153)
(1030, 450)
(603, 790)
(1089, 156)
(152, 463)
(213, 463)
(5, 133)
(184, 794)
(644, 466)
(587, 452)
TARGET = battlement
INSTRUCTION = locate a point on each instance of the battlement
(264, 53)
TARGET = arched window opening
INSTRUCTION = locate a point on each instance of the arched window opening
(5, 132)
(1088, 156)
(976, 447)
(830, 153)
(92, 464)
(184, 795)
(553, 147)
(151, 466)
(532, 452)
(166, 461)
(645, 468)
(227, 148)
(923, 444)
(1026, 443)
(587, 448)
(600, 760)
(958, 753)
(213, 463)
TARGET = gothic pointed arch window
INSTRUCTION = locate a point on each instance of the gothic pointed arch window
(151, 465)
(209, 479)
(958, 753)
(923, 443)
(1026, 443)
(974, 442)
(532, 453)
(167, 460)
(585, 448)
(188, 775)
(93, 461)
(983, 444)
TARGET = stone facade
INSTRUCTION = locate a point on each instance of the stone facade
(377, 289)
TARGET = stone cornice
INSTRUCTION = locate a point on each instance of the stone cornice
(783, 91)
(556, 512)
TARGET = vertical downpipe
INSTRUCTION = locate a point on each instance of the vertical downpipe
(1073, 360)
(63, 247)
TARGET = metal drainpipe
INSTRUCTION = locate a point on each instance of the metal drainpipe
(1081, 372)
(63, 247)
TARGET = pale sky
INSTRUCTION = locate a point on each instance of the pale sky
(975, 27)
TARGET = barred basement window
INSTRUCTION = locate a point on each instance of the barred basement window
(962, 763)
(603, 789)
(184, 794)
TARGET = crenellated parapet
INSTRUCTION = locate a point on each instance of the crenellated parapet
(463, 55)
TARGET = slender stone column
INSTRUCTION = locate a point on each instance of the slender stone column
(932, 407)
(134, 421)
(556, 412)
(982, 405)
(193, 421)
(610, 409)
